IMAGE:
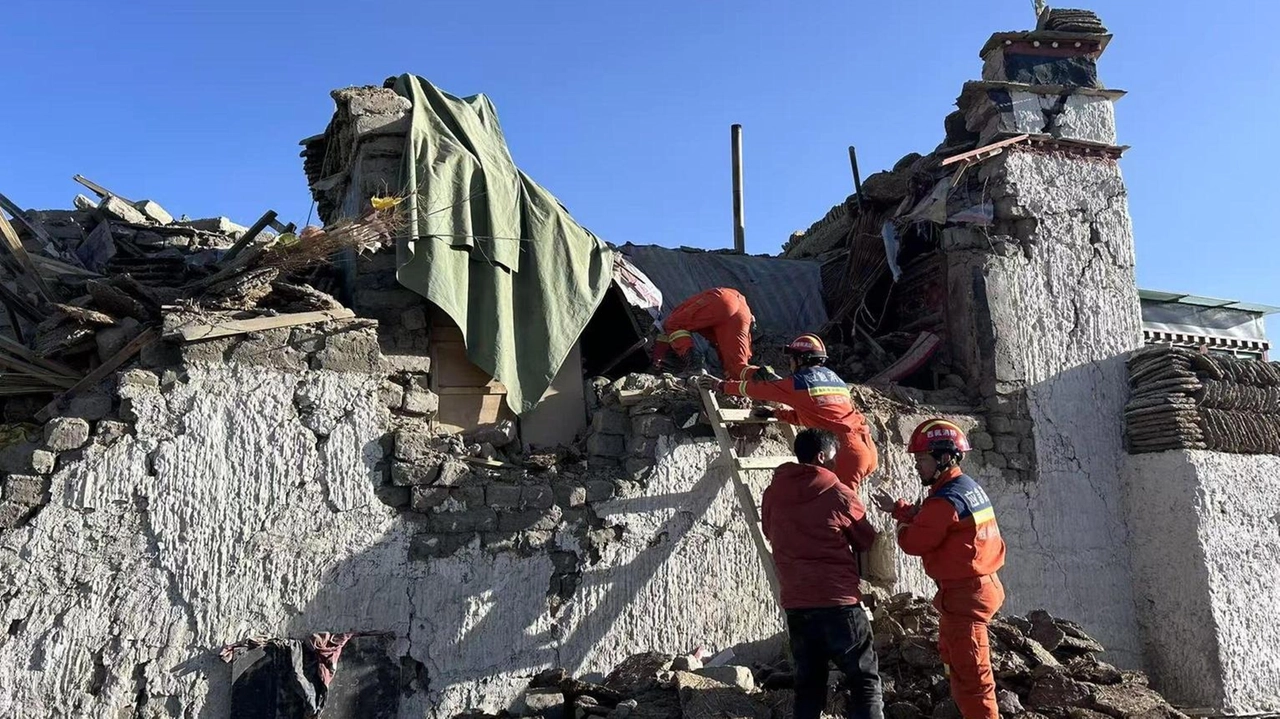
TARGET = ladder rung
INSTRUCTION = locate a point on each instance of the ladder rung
(763, 462)
(743, 416)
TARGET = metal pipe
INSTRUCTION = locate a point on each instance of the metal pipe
(857, 179)
(739, 229)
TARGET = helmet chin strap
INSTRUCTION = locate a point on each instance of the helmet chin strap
(945, 460)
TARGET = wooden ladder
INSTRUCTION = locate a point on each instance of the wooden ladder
(721, 418)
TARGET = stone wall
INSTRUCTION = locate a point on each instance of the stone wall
(1206, 560)
(236, 499)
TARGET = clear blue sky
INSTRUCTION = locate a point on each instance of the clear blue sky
(622, 109)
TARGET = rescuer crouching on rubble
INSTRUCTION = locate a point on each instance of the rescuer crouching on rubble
(818, 398)
(816, 526)
(720, 315)
(954, 532)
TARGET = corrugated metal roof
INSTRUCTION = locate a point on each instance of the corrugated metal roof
(1212, 302)
(785, 295)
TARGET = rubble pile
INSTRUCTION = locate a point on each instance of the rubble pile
(1045, 668)
(82, 288)
(1182, 399)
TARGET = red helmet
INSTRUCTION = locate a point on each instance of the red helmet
(808, 347)
(938, 435)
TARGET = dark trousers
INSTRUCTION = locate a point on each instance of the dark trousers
(841, 635)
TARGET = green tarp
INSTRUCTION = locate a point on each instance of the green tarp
(489, 246)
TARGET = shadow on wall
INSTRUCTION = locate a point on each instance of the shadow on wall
(474, 626)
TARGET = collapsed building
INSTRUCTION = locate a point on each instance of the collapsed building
(418, 448)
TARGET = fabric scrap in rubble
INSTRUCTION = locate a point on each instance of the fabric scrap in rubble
(493, 249)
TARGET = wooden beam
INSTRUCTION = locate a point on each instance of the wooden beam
(764, 462)
(14, 245)
(194, 332)
(30, 356)
(18, 367)
(100, 373)
(50, 245)
(19, 303)
(97, 189)
(257, 228)
(985, 151)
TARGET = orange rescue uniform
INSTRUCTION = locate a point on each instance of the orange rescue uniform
(819, 398)
(955, 533)
(722, 316)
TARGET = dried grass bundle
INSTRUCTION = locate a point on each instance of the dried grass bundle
(376, 228)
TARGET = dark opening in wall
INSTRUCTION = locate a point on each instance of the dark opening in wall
(612, 343)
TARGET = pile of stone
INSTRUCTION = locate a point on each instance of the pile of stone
(1045, 668)
(1182, 399)
(1068, 20)
(81, 288)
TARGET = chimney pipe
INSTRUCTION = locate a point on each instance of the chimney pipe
(739, 230)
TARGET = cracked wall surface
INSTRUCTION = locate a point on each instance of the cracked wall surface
(1054, 308)
(1206, 559)
(246, 503)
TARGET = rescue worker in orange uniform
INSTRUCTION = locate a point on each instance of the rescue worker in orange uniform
(817, 398)
(954, 532)
(722, 316)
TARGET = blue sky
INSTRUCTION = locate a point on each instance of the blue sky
(622, 109)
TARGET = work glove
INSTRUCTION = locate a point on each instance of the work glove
(766, 374)
(763, 412)
(707, 382)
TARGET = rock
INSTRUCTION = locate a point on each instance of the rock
(350, 346)
(414, 318)
(26, 489)
(91, 406)
(705, 698)
(153, 212)
(117, 209)
(687, 663)
(453, 472)
(624, 709)
(109, 431)
(886, 187)
(502, 495)
(1058, 690)
(638, 672)
(599, 490)
(64, 433)
(902, 710)
(406, 474)
(421, 402)
(946, 709)
(1008, 702)
(550, 678)
(547, 703)
(499, 435)
(424, 499)
(1049, 636)
(111, 340)
(220, 225)
(609, 421)
(1080, 713)
(1093, 671)
(13, 514)
(1040, 655)
(920, 653)
(83, 202)
(1129, 700)
(652, 425)
(43, 461)
(733, 675)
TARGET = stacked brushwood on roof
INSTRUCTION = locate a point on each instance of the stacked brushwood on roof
(1182, 399)
(1044, 667)
(1069, 20)
(84, 289)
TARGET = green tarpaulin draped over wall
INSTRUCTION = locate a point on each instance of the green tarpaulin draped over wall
(489, 246)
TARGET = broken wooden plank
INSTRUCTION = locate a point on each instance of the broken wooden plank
(12, 365)
(256, 229)
(14, 245)
(908, 364)
(202, 331)
(985, 151)
(50, 245)
(58, 267)
(743, 416)
(19, 303)
(99, 190)
(23, 352)
(486, 462)
(99, 373)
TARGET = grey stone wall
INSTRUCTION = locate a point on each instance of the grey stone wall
(1205, 549)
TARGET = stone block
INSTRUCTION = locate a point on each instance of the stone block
(413, 444)
(161, 354)
(111, 340)
(433, 546)
(92, 406)
(26, 489)
(482, 519)
(637, 469)
(981, 441)
(16, 458)
(471, 496)
(609, 421)
(406, 474)
(391, 395)
(599, 490)
(502, 495)
(153, 212)
(350, 349)
(537, 496)
(84, 202)
(501, 541)
(500, 434)
(546, 703)
(1006, 445)
(1000, 425)
(220, 225)
(110, 431)
(1021, 427)
(453, 472)
(64, 433)
(13, 514)
(995, 460)
(641, 446)
(43, 461)
(421, 403)
(530, 519)
(117, 209)
(570, 495)
(652, 425)
(394, 496)
(425, 499)
(606, 445)
(414, 318)
(735, 676)
(1020, 462)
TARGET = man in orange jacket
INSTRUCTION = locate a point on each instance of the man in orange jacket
(818, 398)
(722, 316)
(954, 532)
